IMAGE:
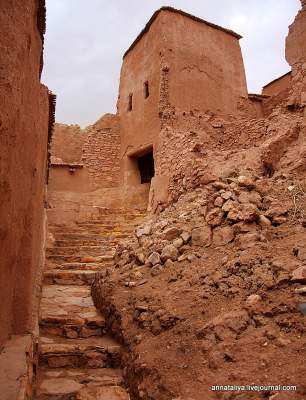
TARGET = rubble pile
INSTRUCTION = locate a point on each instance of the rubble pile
(213, 280)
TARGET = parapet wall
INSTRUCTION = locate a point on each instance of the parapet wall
(68, 142)
(24, 115)
(283, 83)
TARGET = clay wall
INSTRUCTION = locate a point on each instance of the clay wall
(140, 126)
(296, 57)
(69, 179)
(190, 66)
(102, 152)
(68, 142)
(89, 177)
(278, 85)
(205, 64)
(24, 112)
(179, 64)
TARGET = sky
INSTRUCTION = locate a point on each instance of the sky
(86, 39)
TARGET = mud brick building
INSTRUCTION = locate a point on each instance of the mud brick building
(216, 265)
(178, 64)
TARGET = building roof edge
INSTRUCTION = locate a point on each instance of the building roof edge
(174, 10)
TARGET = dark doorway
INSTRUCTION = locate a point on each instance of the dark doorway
(146, 167)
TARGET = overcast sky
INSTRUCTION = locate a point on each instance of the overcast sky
(86, 39)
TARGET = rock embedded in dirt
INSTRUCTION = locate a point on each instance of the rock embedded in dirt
(144, 231)
(301, 253)
(219, 201)
(201, 236)
(154, 258)
(299, 275)
(253, 299)
(169, 252)
(186, 237)
(178, 242)
(157, 269)
(227, 195)
(171, 233)
(226, 326)
(214, 217)
(230, 205)
(250, 197)
(264, 221)
(302, 308)
(169, 263)
(277, 211)
(219, 185)
(60, 386)
(245, 181)
(205, 178)
(141, 258)
(247, 240)
(279, 220)
(223, 235)
(245, 212)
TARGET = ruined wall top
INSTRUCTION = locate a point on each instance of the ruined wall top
(296, 39)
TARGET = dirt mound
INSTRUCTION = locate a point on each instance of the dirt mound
(210, 292)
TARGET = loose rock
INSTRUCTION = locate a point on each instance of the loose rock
(202, 236)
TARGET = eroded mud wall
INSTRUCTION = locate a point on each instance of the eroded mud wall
(102, 150)
(139, 94)
(206, 70)
(278, 85)
(68, 142)
(296, 56)
(85, 170)
(24, 112)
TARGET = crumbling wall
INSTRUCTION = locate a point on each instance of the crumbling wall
(178, 64)
(24, 112)
(296, 57)
(85, 171)
(102, 152)
(195, 148)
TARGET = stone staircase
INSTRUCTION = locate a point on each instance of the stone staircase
(77, 359)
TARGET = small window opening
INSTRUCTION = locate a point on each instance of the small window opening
(146, 90)
(130, 105)
(146, 167)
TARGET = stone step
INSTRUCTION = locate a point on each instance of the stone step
(101, 238)
(80, 242)
(71, 250)
(62, 384)
(79, 235)
(95, 352)
(122, 225)
(77, 266)
(79, 258)
(71, 277)
(93, 228)
(76, 236)
(68, 311)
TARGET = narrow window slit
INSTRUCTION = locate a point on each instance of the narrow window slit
(146, 90)
(130, 105)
